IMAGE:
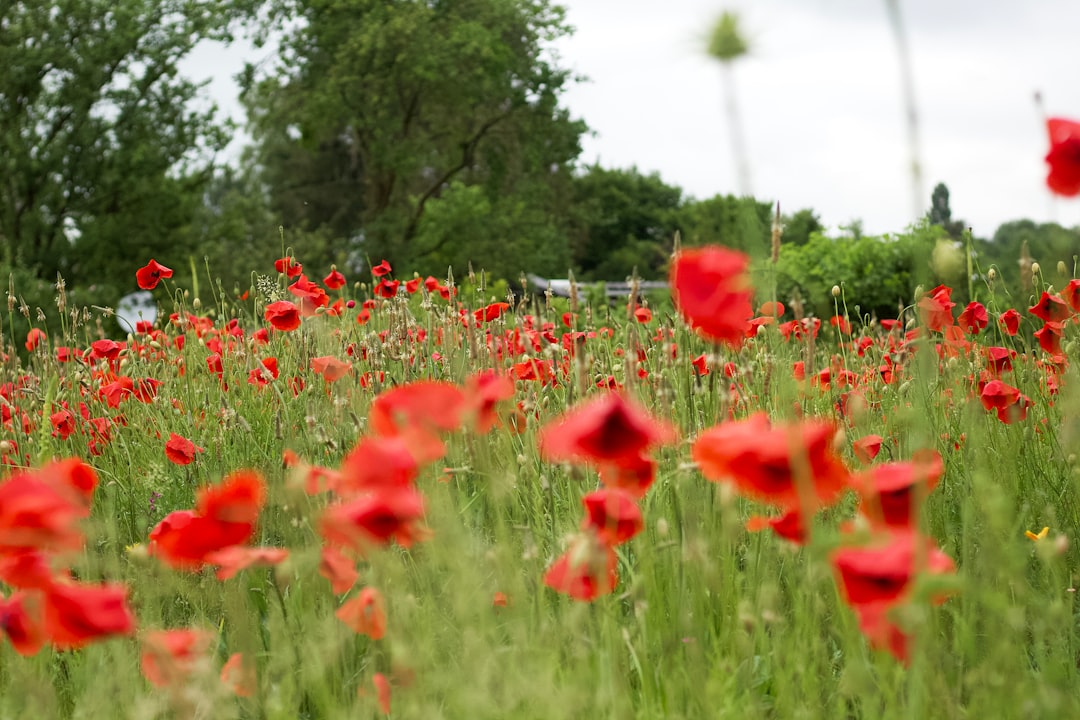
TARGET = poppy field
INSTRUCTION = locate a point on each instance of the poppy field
(411, 498)
(414, 498)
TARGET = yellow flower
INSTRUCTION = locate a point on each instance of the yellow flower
(1036, 537)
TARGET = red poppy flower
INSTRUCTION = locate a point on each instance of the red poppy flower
(777, 464)
(27, 569)
(235, 558)
(606, 429)
(71, 476)
(77, 614)
(867, 448)
(643, 315)
(973, 318)
(237, 499)
(1064, 157)
(264, 372)
(375, 519)
(365, 614)
(772, 309)
(1049, 337)
(421, 405)
(711, 287)
(330, 367)
(63, 424)
(634, 476)
(34, 338)
(883, 571)
(283, 315)
(149, 276)
(585, 571)
(105, 349)
(789, 526)
(880, 630)
(935, 308)
(22, 622)
(169, 657)
(289, 266)
(382, 692)
(183, 538)
(376, 463)
(311, 296)
(1010, 319)
(890, 493)
(381, 269)
(180, 450)
(1071, 294)
(335, 280)
(238, 674)
(387, 288)
(1051, 308)
(1006, 400)
(491, 312)
(338, 569)
(483, 391)
(613, 514)
(37, 514)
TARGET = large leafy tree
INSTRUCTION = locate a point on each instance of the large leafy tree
(104, 153)
(380, 112)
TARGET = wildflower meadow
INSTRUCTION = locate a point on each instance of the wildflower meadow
(404, 496)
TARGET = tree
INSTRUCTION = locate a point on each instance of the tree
(380, 110)
(622, 220)
(799, 227)
(941, 213)
(104, 155)
(741, 223)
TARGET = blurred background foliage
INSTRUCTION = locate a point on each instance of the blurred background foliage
(431, 134)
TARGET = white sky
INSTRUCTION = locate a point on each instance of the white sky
(821, 101)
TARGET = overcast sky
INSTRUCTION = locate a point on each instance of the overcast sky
(821, 101)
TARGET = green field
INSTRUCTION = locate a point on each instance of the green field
(440, 444)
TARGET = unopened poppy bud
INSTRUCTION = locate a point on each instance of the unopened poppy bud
(196, 303)
(6, 447)
(1035, 268)
(662, 527)
(991, 274)
(1062, 268)
(836, 291)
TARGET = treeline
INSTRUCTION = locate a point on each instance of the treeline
(429, 133)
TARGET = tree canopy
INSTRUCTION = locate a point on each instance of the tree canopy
(380, 112)
(105, 152)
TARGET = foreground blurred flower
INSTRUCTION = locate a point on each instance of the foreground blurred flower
(891, 494)
(586, 570)
(170, 657)
(238, 675)
(884, 570)
(791, 465)
(76, 613)
(365, 613)
(1064, 157)
(606, 429)
(1035, 537)
(711, 288)
(613, 514)
(224, 515)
